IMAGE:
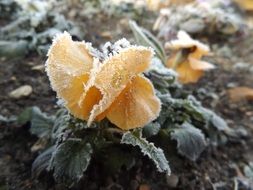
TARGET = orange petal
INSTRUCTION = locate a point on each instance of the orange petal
(176, 59)
(68, 67)
(114, 74)
(187, 74)
(200, 65)
(199, 53)
(74, 56)
(136, 106)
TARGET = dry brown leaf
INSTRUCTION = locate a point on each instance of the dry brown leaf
(240, 93)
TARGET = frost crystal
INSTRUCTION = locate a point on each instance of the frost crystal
(110, 49)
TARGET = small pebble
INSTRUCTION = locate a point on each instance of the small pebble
(241, 66)
(38, 68)
(13, 78)
(106, 34)
(232, 85)
(172, 180)
(20, 92)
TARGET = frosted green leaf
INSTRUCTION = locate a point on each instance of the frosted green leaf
(147, 148)
(248, 170)
(11, 49)
(41, 163)
(151, 129)
(145, 38)
(161, 77)
(41, 124)
(190, 141)
(24, 116)
(71, 159)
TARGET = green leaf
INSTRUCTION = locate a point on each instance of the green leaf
(217, 121)
(155, 154)
(209, 116)
(248, 170)
(71, 159)
(24, 116)
(41, 124)
(145, 38)
(42, 162)
(190, 141)
(61, 122)
(190, 108)
(7, 120)
(151, 129)
(12, 49)
(161, 77)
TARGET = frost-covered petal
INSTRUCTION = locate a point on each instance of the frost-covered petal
(68, 67)
(111, 77)
(136, 106)
(73, 56)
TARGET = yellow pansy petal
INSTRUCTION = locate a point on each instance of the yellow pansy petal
(200, 65)
(74, 56)
(93, 96)
(68, 67)
(199, 52)
(176, 59)
(136, 106)
(187, 74)
(114, 74)
(72, 94)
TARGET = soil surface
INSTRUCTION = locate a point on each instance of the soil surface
(217, 167)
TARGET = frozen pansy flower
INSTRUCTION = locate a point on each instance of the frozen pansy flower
(186, 57)
(93, 89)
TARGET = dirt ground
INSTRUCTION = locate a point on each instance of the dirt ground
(216, 168)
